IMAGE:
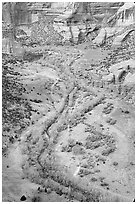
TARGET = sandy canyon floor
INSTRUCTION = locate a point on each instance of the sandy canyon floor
(73, 134)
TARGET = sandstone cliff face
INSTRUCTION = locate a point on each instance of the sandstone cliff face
(73, 20)
(62, 22)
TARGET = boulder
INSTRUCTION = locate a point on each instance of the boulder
(121, 68)
(108, 78)
(119, 74)
(130, 79)
(122, 65)
(100, 39)
(120, 38)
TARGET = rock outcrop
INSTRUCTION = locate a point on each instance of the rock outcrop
(122, 67)
(100, 39)
(121, 37)
(68, 21)
(108, 78)
(129, 79)
(117, 24)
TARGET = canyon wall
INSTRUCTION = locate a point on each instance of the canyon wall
(75, 22)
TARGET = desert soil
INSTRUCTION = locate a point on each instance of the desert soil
(77, 141)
